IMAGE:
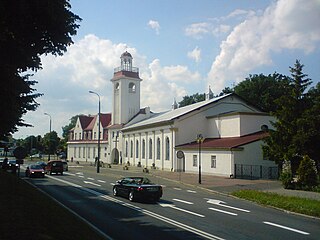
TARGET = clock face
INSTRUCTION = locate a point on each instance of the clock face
(180, 154)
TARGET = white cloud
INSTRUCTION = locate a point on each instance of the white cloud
(195, 54)
(154, 25)
(283, 25)
(197, 30)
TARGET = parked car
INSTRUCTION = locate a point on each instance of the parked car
(42, 164)
(34, 170)
(37, 155)
(65, 166)
(12, 166)
(54, 166)
(137, 188)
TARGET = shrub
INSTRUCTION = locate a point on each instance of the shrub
(307, 173)
(287, 180)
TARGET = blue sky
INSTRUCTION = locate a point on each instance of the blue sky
(180, 46)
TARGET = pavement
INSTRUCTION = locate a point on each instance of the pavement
(222, 185)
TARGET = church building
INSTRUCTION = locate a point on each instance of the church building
(220, 136)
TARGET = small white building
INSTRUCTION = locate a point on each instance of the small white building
(229, 131)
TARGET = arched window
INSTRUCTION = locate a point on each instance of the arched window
(158, 148)
(167, 148)
(137, 149)
(126, 151)
(132, 87)
(131, 149)
(117, 86)
(143, 149)
(150, 148)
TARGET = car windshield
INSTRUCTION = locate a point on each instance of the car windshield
(35, 167)
(140, 180)
(12, 161)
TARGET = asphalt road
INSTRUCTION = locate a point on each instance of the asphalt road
(182, 213)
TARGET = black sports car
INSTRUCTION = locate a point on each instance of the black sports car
(137, 188)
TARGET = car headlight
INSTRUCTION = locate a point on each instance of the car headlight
(32, 172)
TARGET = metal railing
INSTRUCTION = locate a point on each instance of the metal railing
(133, 69)
(246, 171)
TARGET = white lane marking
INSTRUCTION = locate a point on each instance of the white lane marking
(179, 200)
(71, 174)
(81, 176)
(101, 181)
(219, 203)
(146, 212)
(112, 184)
(94, 184)
(191, 191)
(180, 209)
(79, 173)
(179, 189)
(287, 228)
(218, 210)
(90, 178)
(75, 166)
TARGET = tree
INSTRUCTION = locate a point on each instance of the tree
(187, 100)
(51, 142)
(29, 29)
(284, 143)
(263, 90)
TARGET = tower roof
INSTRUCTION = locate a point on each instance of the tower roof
(126, 54)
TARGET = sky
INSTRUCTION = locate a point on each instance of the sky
(181, 47)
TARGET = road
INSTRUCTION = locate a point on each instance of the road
(183, 212)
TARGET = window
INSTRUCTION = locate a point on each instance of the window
(117, 86)
(75, 136)
(213, 161)
(131, 149)
(126, 150)
(137, 149)
(94, 152)
(195, 160)
(89, 152)
(143, 149)
(167, 148)
(158, 148)
(84, 152)
(132, 87)
(150, 148)
(74, 153)
(79, 152)
(95, 135)
(79, 136)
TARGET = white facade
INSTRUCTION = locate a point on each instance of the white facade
(231, 128)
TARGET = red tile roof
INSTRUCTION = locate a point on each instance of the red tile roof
(105, 119)
(230, 142)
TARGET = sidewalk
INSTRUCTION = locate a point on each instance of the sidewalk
(222, 185)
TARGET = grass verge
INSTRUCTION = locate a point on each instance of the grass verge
(26, 213)
(305, 206)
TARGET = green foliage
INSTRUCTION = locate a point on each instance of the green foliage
(307, 173)
(188, 100)
(29, 29)
(51, 142)
(295, 129)
(287, 180)
(306, 206)
(263, 90)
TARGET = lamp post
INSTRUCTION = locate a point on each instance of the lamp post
(49, 134)
(200, 140)
(98, 161)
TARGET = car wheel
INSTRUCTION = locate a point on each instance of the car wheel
(131, 196)
(115, 191)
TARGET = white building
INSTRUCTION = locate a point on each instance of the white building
(231, 131)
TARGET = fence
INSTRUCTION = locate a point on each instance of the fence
(255, 172)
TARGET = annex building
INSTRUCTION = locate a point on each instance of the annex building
(222, 136)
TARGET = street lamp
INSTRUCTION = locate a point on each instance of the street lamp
(49, 134)
(200, 140)
(98, 162)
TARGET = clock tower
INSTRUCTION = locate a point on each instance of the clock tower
(126, 91)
